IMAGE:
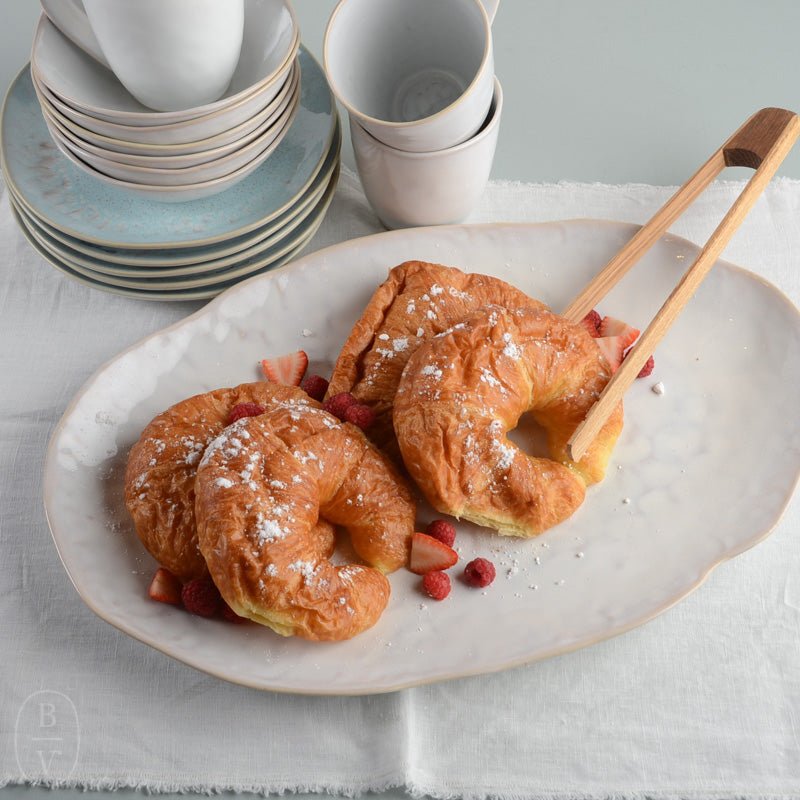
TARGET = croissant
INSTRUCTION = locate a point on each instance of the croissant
(261, 487)
(161, 469)
(462, 392)
(417, 301)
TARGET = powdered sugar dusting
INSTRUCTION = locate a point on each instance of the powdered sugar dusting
(511, 349)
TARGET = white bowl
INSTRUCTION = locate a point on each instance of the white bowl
(189, 192)
(417, 74)
(167, 161)
(411, 189)
(188, 175)
(123, 147)
(174, 133)
(271, 40)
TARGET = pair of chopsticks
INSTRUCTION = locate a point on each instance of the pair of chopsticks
(761, 144)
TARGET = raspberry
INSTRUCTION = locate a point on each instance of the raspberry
(242, 410)
(647, 368)
(442, 530)
(229, 615)
(359, 415)
(479, 572)
(339, 403)
(592, 323)
(315, 387)
(201, 597)
(437, 585)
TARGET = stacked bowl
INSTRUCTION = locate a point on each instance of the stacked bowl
(417, 80)
(173, 155)
(174, 205)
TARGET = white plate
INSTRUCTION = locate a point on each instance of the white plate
(727, 423)
(271, 39)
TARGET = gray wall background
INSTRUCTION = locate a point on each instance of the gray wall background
(612, 91)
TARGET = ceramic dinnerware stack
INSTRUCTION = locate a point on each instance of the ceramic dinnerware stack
(102, 234)
(170, 156)
(417, 79)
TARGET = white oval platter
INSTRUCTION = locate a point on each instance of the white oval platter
(700, 473)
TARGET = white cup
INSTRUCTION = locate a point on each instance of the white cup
(439, 188)
(417, 74)
(169, 54)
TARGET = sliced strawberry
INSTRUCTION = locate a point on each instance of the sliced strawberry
(430, 555)
(613, 348)
(165, 587)
(610, 326)
(288, 369)
(592, 323)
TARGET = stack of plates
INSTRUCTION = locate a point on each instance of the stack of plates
(179, 155)
(108, 237)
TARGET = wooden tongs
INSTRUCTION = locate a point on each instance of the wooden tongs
(761, 144)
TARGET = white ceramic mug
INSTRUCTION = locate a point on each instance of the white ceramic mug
(410, 189)
(169, 54)
(417, 74)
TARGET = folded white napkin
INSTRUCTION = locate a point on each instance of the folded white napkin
(703, 702)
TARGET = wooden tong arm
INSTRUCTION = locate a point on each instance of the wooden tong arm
(761, 143)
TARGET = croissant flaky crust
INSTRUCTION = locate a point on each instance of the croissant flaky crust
(417, 301)
(461, 393)
(261, 488)
(160, 475)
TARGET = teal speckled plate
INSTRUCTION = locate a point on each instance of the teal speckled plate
(196, 260)
(215, 280)
(175, 295)
(74, 203)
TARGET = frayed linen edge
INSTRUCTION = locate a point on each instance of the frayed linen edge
(414, 789)
(174, 787)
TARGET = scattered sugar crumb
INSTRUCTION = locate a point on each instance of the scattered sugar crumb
(626, 500)
(307, 332)
(579, 554)
(658, 388)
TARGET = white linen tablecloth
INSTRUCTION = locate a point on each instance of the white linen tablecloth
(703, 702)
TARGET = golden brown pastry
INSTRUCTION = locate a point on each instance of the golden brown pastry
(260, 489)
(417, 301)
(159, 478)
(462, 392)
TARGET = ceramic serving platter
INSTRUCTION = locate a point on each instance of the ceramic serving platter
(644, 539)
(76, 204)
